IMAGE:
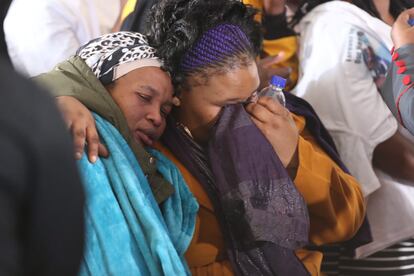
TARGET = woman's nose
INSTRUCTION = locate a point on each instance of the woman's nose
(154, 115)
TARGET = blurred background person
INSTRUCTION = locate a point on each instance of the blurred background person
(344, 56)
(40, 34)
(398, 87)
(4, 6)
(41, 197)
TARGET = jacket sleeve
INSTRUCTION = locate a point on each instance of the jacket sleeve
(398, 91)
(335, 201)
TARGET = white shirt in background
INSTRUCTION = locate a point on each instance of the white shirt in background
(344, 55)
(41, 33)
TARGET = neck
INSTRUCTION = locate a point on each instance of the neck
(199, 126)
(383, 8)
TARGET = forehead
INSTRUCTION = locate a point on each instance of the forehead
(236, 81)
(151, 79)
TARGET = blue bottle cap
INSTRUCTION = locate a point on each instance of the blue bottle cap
(411, 21)
(278, 81)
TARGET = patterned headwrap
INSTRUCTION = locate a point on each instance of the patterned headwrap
(214, 46)
(111, 56)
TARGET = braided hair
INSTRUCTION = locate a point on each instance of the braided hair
(203, 37)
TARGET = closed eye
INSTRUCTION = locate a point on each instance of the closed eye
(144, 97)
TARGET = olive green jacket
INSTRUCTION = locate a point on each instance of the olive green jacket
(74, 78)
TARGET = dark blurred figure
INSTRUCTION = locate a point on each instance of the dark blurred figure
(41, 197)
(4, 6)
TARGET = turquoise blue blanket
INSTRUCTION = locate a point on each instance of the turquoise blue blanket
(127, 233)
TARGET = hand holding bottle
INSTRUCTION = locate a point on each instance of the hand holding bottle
(275, 90)
(277, 125)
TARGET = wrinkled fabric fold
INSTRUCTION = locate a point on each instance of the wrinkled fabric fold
(260, 201)
(267, 217)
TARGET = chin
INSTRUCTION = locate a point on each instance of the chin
(138, 141)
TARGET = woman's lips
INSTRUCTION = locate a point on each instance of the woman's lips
(144, 138)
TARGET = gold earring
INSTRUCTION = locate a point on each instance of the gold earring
(176, 101)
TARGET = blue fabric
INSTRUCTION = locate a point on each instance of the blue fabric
(127, 233)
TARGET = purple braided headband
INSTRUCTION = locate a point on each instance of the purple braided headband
(216, 44)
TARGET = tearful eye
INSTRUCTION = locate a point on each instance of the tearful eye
(144, 97)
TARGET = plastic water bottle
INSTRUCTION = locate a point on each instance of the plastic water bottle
(275, 89)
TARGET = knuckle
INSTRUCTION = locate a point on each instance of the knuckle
(94, 139)
(255, 109)
(79, 145)
(80, 114)
(270, 101)
(265, 100)
(79, 133)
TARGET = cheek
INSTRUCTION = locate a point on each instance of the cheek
(209, 112)
(133, 114)
(127, 103)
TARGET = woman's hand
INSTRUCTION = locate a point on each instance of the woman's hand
(277, 125)
(402, 33)
(274, 7)
(82, 125)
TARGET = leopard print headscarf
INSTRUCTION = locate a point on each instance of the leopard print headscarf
(113, 55)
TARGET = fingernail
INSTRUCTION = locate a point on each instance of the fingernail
(93, 159)
(78, 155)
